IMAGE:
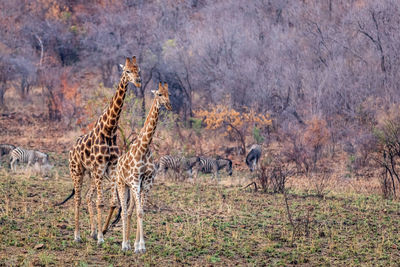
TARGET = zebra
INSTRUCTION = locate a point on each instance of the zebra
(5, 149)
(27, 156)
(253, 157)
(211, 165)
(177, 164)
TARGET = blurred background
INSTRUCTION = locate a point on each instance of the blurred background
(315, 78)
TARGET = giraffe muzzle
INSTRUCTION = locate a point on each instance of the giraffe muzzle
(138, 83)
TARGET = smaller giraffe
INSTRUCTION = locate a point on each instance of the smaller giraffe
(135, 171)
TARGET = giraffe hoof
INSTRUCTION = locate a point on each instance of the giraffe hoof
(100, 241)
(140, 251)
(94, 235)
(126, 247)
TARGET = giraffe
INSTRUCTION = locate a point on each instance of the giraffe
(135, 171)
(96, 153)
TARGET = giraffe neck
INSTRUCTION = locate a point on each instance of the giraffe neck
(108, 122)
(146, 134)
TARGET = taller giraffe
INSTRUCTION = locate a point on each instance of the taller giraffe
(96, 153)
(135, 171)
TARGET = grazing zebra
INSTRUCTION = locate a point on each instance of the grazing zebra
(27, 156)
(177, 164)
(253, 157)
(5, 149)
(210, 165)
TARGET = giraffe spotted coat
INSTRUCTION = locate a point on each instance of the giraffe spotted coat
(96, 153)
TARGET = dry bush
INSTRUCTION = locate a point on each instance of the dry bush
(388, 136)
(387, 185)
(300, 224)
(278, 176)
(262, 177)
(361, 150)
(320, 180)
(304, 146)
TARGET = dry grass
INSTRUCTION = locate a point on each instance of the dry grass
(200, 224)
(197, 223)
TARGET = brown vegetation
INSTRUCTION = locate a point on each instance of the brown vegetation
(314, 82)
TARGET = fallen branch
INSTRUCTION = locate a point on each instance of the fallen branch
(255, 186)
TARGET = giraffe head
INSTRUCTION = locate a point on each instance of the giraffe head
(131, 71)
(162, 96)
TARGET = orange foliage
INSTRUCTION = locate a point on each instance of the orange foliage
(221, 115)
(317, 133)
(233, 121)
(70, 90)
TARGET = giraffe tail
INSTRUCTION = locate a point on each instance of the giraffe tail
(65, 200)
(118, 217)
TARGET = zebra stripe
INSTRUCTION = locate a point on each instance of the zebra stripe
(27, 156)
(210, 165)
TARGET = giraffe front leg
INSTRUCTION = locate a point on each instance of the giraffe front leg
(122, 191)
(139, 241)
(130, 211)
(139, 216)
(146, 186)
(90, 204)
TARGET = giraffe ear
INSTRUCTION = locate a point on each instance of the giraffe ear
(154, 92)
(159, 85)
(134, 59)
(121, 66)
(127, 61)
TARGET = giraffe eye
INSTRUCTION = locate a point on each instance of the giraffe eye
(128, 71)
(159, 94)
